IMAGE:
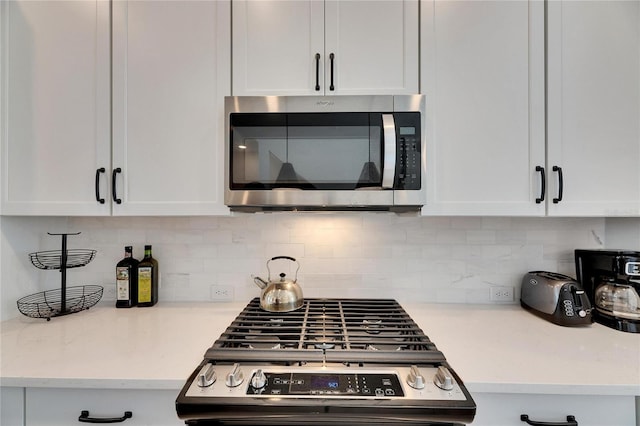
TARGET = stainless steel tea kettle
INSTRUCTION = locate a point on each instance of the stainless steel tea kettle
(281, 295)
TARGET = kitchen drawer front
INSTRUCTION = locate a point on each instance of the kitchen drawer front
(588, 410)
(62, 407)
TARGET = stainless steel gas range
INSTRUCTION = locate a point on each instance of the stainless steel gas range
(363, 361)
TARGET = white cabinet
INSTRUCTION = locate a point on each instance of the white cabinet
(483, 76)
(11, 406)
(594, 107)
(62, 407)
(483, 71)
(588, 410)
(170, 75)
(138, 124)
(55, 120)
(316, 47)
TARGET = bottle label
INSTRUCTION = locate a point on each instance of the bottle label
(122, 283)
(144, 284)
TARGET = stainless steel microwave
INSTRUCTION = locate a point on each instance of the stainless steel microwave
(325, 153)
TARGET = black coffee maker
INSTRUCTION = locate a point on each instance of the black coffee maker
(611, 280)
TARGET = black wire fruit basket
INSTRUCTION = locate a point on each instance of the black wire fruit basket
(62, 301)
(48, 304)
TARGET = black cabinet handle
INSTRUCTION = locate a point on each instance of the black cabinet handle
(543, 188)
(331, 57)
(84, 418)
(560, 184)
(571, 421)
(113, 186)
(317, 71)
(98, 171)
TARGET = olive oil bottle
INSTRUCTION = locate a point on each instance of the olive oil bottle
(147, 279)
(127, 280)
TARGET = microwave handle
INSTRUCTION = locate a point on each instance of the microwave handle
(389, 165)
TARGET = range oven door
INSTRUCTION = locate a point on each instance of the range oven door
(300, 157)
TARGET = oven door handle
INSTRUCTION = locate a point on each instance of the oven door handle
(389, 165)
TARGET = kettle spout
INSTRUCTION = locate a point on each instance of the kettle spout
(259, 282)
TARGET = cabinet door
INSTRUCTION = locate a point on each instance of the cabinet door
(170, 75)
(374, 46)
(483, 76)
(594, 107)
(275, 44)
(55, 107)
(62, 407)
(588, 410)
(11, 406)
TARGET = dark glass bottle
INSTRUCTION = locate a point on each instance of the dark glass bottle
(127, 280)
(147, 279)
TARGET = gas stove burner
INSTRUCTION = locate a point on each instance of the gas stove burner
(372, 325)
(259, 341)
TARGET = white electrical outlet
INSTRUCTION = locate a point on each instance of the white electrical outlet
(502, 294)
(221, 293)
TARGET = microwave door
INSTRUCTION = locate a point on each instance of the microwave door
(389, 163)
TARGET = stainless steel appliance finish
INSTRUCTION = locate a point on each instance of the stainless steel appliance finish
(362, 361)
(556, 298)
(338, 165)
(611, 279)
(281, 295)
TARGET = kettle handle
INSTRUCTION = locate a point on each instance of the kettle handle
(285, 258)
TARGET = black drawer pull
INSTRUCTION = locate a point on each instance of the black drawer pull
(317, 72)
(84, 418)
(331, 58)
(571, 421)
(542, 184)
(560, 184)
(114, 193)
(98, 198)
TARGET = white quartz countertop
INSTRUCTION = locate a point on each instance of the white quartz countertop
(493, 348)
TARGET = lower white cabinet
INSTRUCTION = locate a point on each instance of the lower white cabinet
(55, 406)
(11, 406)
(589, 410)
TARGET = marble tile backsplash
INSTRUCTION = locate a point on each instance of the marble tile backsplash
(427, 259)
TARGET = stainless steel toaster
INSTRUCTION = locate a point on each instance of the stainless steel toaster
(556, 298)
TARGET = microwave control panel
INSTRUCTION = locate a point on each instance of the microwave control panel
(408, 158)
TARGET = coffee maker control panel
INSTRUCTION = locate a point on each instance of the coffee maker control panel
(632, 268)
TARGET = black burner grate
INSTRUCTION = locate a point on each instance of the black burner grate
(329, 330)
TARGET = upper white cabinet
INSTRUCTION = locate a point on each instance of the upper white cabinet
(482, 71)
(170, 75)
(316, 47)
(129, 129)
(55, 121)
(594, 107)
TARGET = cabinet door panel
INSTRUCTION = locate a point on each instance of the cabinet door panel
(62, 407)
(274, 47)
(589, 410)
(375, 45)
(483, 76)
(170, 78)
(594, 107)
(55, 125)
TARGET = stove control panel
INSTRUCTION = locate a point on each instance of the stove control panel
(415, 382)
(326, 384)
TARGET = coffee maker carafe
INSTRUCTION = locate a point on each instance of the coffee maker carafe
(611, 280)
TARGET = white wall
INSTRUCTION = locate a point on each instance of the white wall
(342, 255)
(623, 233)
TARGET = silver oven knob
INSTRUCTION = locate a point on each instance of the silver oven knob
(415, 379)
(235, 377)
(443, 379)
(207, 376)
(259, 380)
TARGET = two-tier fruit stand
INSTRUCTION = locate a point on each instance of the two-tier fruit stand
(65, 300)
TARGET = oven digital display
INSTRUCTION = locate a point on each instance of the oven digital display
(407, 131)
(325, 382)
